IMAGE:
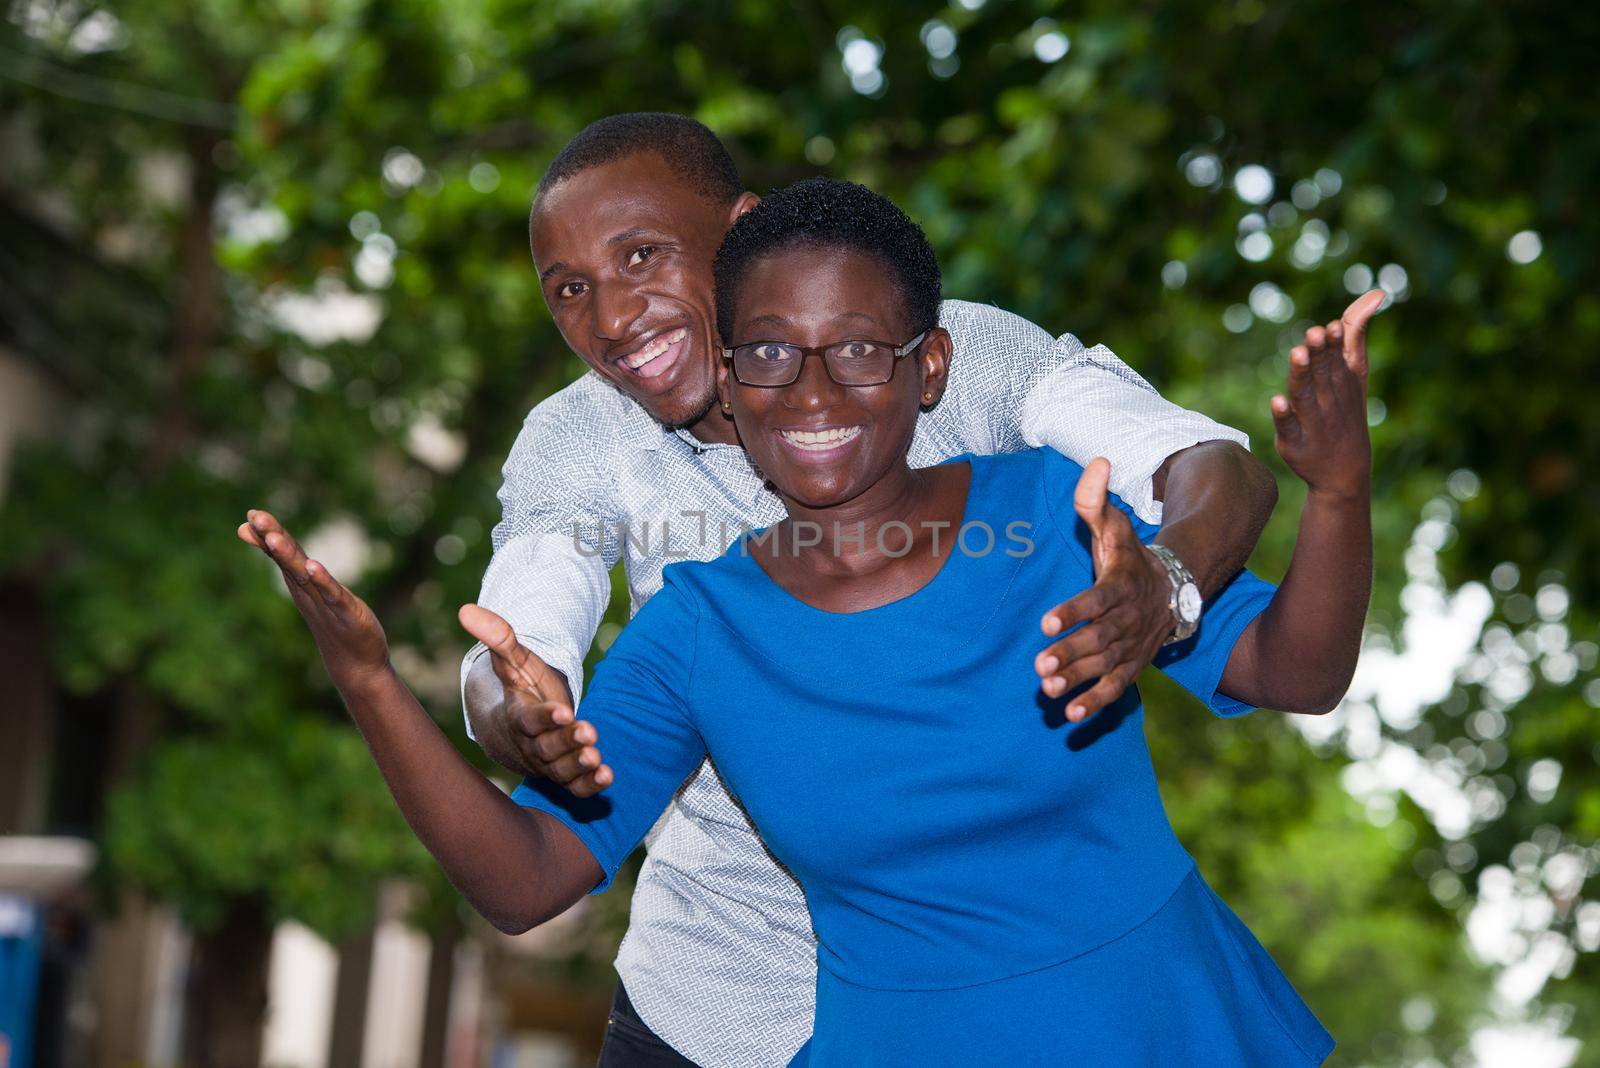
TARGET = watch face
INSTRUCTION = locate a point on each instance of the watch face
(1189, 602)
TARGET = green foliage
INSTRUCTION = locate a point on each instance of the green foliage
(387, 148)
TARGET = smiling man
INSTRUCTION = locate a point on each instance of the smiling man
(636, 462)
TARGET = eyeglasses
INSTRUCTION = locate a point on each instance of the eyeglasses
(849, 363)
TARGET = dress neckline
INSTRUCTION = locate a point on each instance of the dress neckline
(926, 592)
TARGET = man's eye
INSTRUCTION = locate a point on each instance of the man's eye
(770, 352)
(860, 350)
(641, 255)
(568, 290)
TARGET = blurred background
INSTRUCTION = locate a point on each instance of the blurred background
(274, 253)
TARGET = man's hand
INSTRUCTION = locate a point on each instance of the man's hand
(347, 634)
(1322, 423)
(1126, 610)
(533, 714)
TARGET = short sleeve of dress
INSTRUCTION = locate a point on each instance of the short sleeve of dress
(1197, 663)
(638, 705)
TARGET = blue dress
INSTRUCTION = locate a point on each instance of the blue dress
(989, 884)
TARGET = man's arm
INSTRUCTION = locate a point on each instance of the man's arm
(1170, 465)
(549, 578)
(520, 704)
(1216, 500)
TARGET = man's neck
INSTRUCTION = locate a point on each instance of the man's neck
(714, 428)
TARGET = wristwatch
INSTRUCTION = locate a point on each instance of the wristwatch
(1185, 602)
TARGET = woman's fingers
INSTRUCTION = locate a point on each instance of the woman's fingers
(279, 545)
(1284, 419)
(331, 590)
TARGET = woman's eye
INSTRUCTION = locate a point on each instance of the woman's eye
(769, 352)
(641, 255)
(860, 350)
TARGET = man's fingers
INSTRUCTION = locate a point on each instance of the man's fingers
(495, 633)
(248, 535)
(551, 745)
(592, 783)
(1090, 496)
(1096, 697)
(534, 719)
(1089, 604)
(1355, 320)
(567, 769)
(1100, 636)
(1081, 671)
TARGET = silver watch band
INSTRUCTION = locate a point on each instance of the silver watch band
(1183, 588)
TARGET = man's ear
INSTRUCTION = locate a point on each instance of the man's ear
(746, 201)
(935, 361)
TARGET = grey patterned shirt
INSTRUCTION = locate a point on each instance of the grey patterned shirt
(719, 958)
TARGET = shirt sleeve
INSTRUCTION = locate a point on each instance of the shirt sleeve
(1198, 662)
(638, 705)
(554, 546)
(1021, 388)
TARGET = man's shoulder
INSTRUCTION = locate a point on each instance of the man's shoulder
(587, 418)
(588, 397)
(986, 327)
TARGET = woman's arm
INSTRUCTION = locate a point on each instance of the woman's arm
(515, 866)
(1300, 653)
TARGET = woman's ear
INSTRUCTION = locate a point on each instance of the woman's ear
(935, 360)
(724, 388)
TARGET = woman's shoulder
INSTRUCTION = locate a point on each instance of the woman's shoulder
(1035, 477)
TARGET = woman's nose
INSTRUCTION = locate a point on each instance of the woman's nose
(814, 389)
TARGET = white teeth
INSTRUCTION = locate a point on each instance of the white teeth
(818, 440)
(655, 348)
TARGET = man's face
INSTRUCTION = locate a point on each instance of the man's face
(624, 253)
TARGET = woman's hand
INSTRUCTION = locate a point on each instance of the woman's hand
(347, 634)
(1322, 422)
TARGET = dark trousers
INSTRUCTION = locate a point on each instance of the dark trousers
(630, 1043)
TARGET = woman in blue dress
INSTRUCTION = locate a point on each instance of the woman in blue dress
(990, 872)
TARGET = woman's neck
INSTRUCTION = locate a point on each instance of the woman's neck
(881, 525)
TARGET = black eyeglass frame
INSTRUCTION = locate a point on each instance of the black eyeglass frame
(897, 351)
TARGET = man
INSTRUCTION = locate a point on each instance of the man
(635, 462)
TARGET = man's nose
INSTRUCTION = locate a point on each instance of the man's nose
(615, 309)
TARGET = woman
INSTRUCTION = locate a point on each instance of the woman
(990, 880)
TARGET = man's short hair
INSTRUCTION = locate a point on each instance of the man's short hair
(829, 213)
(691, 150)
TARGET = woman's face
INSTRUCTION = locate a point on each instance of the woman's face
(816, 297)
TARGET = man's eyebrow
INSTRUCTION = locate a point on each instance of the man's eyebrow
(769, 320)
(544, 275)
(627, 235)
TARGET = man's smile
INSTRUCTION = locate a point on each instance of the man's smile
(657, 355)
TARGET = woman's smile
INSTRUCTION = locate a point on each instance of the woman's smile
(820, 445)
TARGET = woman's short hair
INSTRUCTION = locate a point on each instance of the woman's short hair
(829, 213)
